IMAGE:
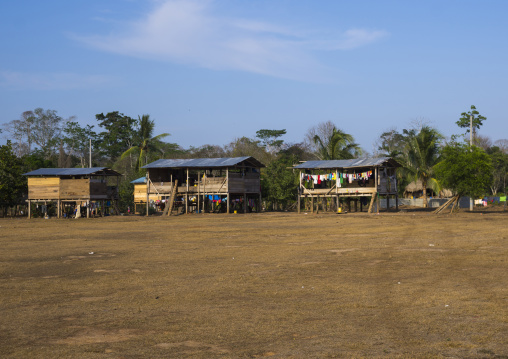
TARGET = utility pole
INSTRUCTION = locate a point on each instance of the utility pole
(90, 153)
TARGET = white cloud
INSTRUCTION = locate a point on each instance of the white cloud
(187, 31)
(49, 81)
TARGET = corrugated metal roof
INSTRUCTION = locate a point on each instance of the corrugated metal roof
(73, 172)
(203, 162)
(357, 162)
(139, 180)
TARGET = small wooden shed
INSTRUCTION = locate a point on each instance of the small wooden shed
(72, 185)
(355, 178)
(193, 182)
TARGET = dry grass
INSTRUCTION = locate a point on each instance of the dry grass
(403, 285)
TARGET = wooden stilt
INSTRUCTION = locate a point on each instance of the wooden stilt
(372, 198)
(29, 209)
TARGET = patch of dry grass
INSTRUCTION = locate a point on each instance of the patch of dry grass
(258, 285)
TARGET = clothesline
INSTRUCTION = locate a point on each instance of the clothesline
(342, 177)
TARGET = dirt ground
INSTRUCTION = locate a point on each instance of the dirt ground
(279, 285)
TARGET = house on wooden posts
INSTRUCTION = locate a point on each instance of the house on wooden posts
(357, 180)
(87, 187)
(205, 184)
(140, 188)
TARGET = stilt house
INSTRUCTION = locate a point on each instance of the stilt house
(348, 180)
(72, 186)
(202, 184)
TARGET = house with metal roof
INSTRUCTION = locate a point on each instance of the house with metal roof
(66, 187)
(205, 184)
(354, 180)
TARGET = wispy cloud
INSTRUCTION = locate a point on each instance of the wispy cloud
(50, 81)
(187, 31)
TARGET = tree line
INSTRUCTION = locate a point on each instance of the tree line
(41, 138)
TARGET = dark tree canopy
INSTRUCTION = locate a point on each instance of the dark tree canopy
(12, 182)
(118, 136)
(465, 170)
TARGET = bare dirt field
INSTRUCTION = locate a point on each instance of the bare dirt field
(279, 285)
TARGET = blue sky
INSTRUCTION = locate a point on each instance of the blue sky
(208, 71)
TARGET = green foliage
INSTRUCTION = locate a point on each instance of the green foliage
(465, 170)
(464, 121)
(76, 139)
(269, 139)
(118, 136)
(13, 185)
(245, 146)
(499, 169)
(126, 191)
(421, 154)
(391, 144)
(339, 145)
(280, 185)
(144, 141)
(36, 160)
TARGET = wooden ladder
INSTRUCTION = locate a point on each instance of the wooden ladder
(169, 206)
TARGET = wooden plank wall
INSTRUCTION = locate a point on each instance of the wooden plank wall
(140, 194)
(75, 189)
(43, 188)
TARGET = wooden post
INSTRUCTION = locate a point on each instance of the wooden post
(227, 190)
(87, 209)
(397, 202)
(187, 194)
(29, 209)
(197, 204)
(312, 203)
(376, 178)
(147, 190)
(299, 191)
(377, 202)
(244, 202)
(388, 202)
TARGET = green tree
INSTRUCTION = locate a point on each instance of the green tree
(339, 145)
(206, 151)
(12, 182)
(77, 140)
(499, 169)
(119, 134)
(245, 146)
(269, 139)
(391, 144)
(421, 154)
(465, 170)
(465, 119)
(280, 185)
(144, 141)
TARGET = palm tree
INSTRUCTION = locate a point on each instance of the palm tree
(145, 141)
(420, 157)
(338, 145)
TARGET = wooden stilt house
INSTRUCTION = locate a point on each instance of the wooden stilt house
(205, 184)
(88, 187)
(140, 188)
(348, 180)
